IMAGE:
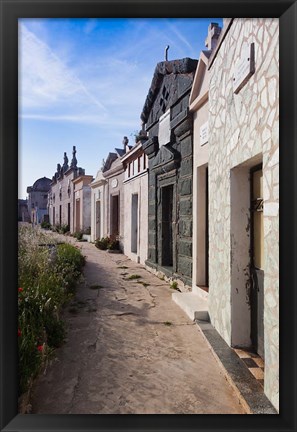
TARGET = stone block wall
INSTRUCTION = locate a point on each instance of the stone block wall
(244, 131)
(171, 166)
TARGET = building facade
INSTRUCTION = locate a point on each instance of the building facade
(37, 199)
(98, 207)
(82, 203)
(23, 213)
(135, 187)
(199, 107)
(113, 173)
(169, 148)
(243, 172)
(61, 195)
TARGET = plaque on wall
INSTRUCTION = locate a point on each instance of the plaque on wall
(164, 128)
(204, 133)
(244, 67)
(114, 183)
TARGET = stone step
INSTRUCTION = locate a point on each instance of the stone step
(192, 304)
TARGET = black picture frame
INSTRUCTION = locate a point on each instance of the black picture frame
(11, 11)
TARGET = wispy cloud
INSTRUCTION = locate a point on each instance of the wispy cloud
(179, 35)
(46, 81)
(86, 119)
(90, 25)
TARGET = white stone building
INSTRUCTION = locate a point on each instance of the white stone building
(235, 105)
(113, 173)
(82, 199)
(98, 207)
(135, 187)
(37, 199)
(200, 108)
(61, 194)
(244, 190)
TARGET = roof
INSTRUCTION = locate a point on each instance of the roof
(176, 67)
(41, 185)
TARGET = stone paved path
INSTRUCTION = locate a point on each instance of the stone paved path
(130, 349)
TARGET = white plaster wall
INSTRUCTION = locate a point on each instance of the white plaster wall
(94, 199)
(200, 158)
(137, 185)
(55, 189)
(86, 210)
(242, 127)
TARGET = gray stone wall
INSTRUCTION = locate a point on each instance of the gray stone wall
(244, 130)
(170, 166)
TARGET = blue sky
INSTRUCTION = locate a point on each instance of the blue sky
(83, 82)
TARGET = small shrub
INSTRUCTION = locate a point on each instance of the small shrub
(64, 228)
(174, 285)
(78, 235)
(56, 228)
(110, 243)
(102, 243)
(45, 225)
(113, 245)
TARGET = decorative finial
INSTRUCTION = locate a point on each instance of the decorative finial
(125, 141)
(166, 52)
(65, 164)
(74, 160)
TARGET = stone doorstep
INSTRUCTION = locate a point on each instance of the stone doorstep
(248, 389)
(192, 304)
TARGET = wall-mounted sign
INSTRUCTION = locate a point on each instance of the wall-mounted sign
(244, 67)
(204, 133)
(164, 128)
(114, 183)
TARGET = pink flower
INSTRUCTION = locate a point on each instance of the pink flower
(21, 289)
(40, 348)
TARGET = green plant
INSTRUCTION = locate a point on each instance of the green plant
(143, 283)
(133, 276)
(167, 323)
(174, 285)
(64, 228)
(47, 277)
(113, 244)
(45, 225)
(102, 243)
(78, 235)
(110, 243)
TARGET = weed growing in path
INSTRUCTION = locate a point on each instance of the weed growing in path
(167, 323)
(174, 286)
(133, 276)
(143, 283)
(123, 267)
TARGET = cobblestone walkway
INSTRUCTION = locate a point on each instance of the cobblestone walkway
(130, 349)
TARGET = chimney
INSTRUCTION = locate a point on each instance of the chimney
(214, 31)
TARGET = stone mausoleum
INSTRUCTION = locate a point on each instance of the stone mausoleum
(37, 199)
(168, 145)
(61, 196)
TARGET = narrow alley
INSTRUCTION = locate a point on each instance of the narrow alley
(130, 349)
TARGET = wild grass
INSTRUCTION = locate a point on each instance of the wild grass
(47, 276)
